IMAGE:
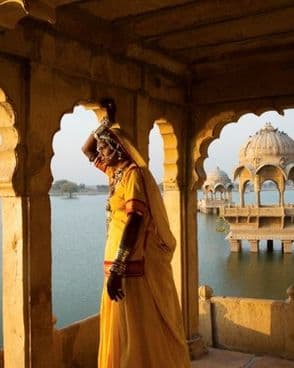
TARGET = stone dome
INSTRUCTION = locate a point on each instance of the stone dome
(268, 145)
(217, 177)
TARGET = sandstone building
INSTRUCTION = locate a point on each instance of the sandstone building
(217, 190)
(266, 156)
(190, 66)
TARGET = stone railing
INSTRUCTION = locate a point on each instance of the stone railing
(251, 211)
(248, 325)
(77, 344)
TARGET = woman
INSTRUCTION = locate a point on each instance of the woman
(140, 318)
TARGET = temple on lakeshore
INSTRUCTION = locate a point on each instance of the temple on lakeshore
(217, 190)
(266, 156)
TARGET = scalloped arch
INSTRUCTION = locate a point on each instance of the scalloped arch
(276, 167)
(171, 154)
(56, 132)
(219, 185)
(245, 182)
(213, 127)
(240, 169)
(8, 142)
(273, 180)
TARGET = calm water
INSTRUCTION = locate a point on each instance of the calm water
(78, 232)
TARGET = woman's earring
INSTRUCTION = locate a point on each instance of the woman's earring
(119, 156)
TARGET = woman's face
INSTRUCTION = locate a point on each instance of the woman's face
(108, 155)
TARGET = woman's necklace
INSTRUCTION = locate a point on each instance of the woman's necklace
(115, 180)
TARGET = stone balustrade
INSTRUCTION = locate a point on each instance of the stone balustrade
(246, 324)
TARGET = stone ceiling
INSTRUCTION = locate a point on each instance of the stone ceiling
(204, 37)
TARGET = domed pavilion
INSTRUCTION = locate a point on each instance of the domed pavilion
(266, 156)
(217, 191)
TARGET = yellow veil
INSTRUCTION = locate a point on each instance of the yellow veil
(155, 201)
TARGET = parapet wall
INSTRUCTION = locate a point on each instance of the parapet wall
(77, 345)
(242, 324)
(247, 324)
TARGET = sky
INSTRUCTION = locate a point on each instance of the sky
(70, 163)
(224, 152)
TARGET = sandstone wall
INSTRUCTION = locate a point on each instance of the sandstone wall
(248, 325)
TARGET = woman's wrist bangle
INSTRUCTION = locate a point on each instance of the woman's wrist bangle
(118, 267)
(123, 254)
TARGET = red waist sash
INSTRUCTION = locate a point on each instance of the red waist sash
(134, 268)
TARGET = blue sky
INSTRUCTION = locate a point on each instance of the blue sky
(70, 163)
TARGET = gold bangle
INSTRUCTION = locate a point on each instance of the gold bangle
(123, 254)
(118, 267)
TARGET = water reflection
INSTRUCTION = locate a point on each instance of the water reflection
(246, 274)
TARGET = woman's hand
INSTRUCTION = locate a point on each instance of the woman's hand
(114, 287)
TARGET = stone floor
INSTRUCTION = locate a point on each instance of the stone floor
(217, 358)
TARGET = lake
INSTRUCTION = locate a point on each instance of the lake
(78, 233)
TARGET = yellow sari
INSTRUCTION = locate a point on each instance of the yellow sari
(144, 329)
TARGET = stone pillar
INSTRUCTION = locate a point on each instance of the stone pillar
(258, 198)
(289, 318)
(241, 194)
(235, 245)
(257, 190)
(254, 245)
(181, 209)
(281, 188)
(27, 314)
(181, 205)
(15, 315)
(287, 246)
(27, 306)
(205, 314)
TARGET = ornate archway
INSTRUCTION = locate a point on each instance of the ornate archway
(8, 142)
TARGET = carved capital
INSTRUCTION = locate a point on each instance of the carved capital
(12, 11)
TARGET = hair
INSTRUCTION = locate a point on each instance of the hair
(109, 104)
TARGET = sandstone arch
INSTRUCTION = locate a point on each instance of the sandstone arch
(8, 142)
(171, 155)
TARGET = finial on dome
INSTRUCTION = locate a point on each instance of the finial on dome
(268, 127)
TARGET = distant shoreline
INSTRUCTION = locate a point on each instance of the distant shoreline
(78, 194)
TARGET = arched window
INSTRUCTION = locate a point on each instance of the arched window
(220, 268)
(156, 154)
(249, 196)
(269, 194)
(78, 224)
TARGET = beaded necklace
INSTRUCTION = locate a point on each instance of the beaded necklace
(115, 180)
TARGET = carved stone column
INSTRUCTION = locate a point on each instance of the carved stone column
(241, 194)
(181, 203)
(235, 245)
(282, 198)
(254, 245)
(287, 246)
(258, 198)
(27, 304)
(27, 326)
